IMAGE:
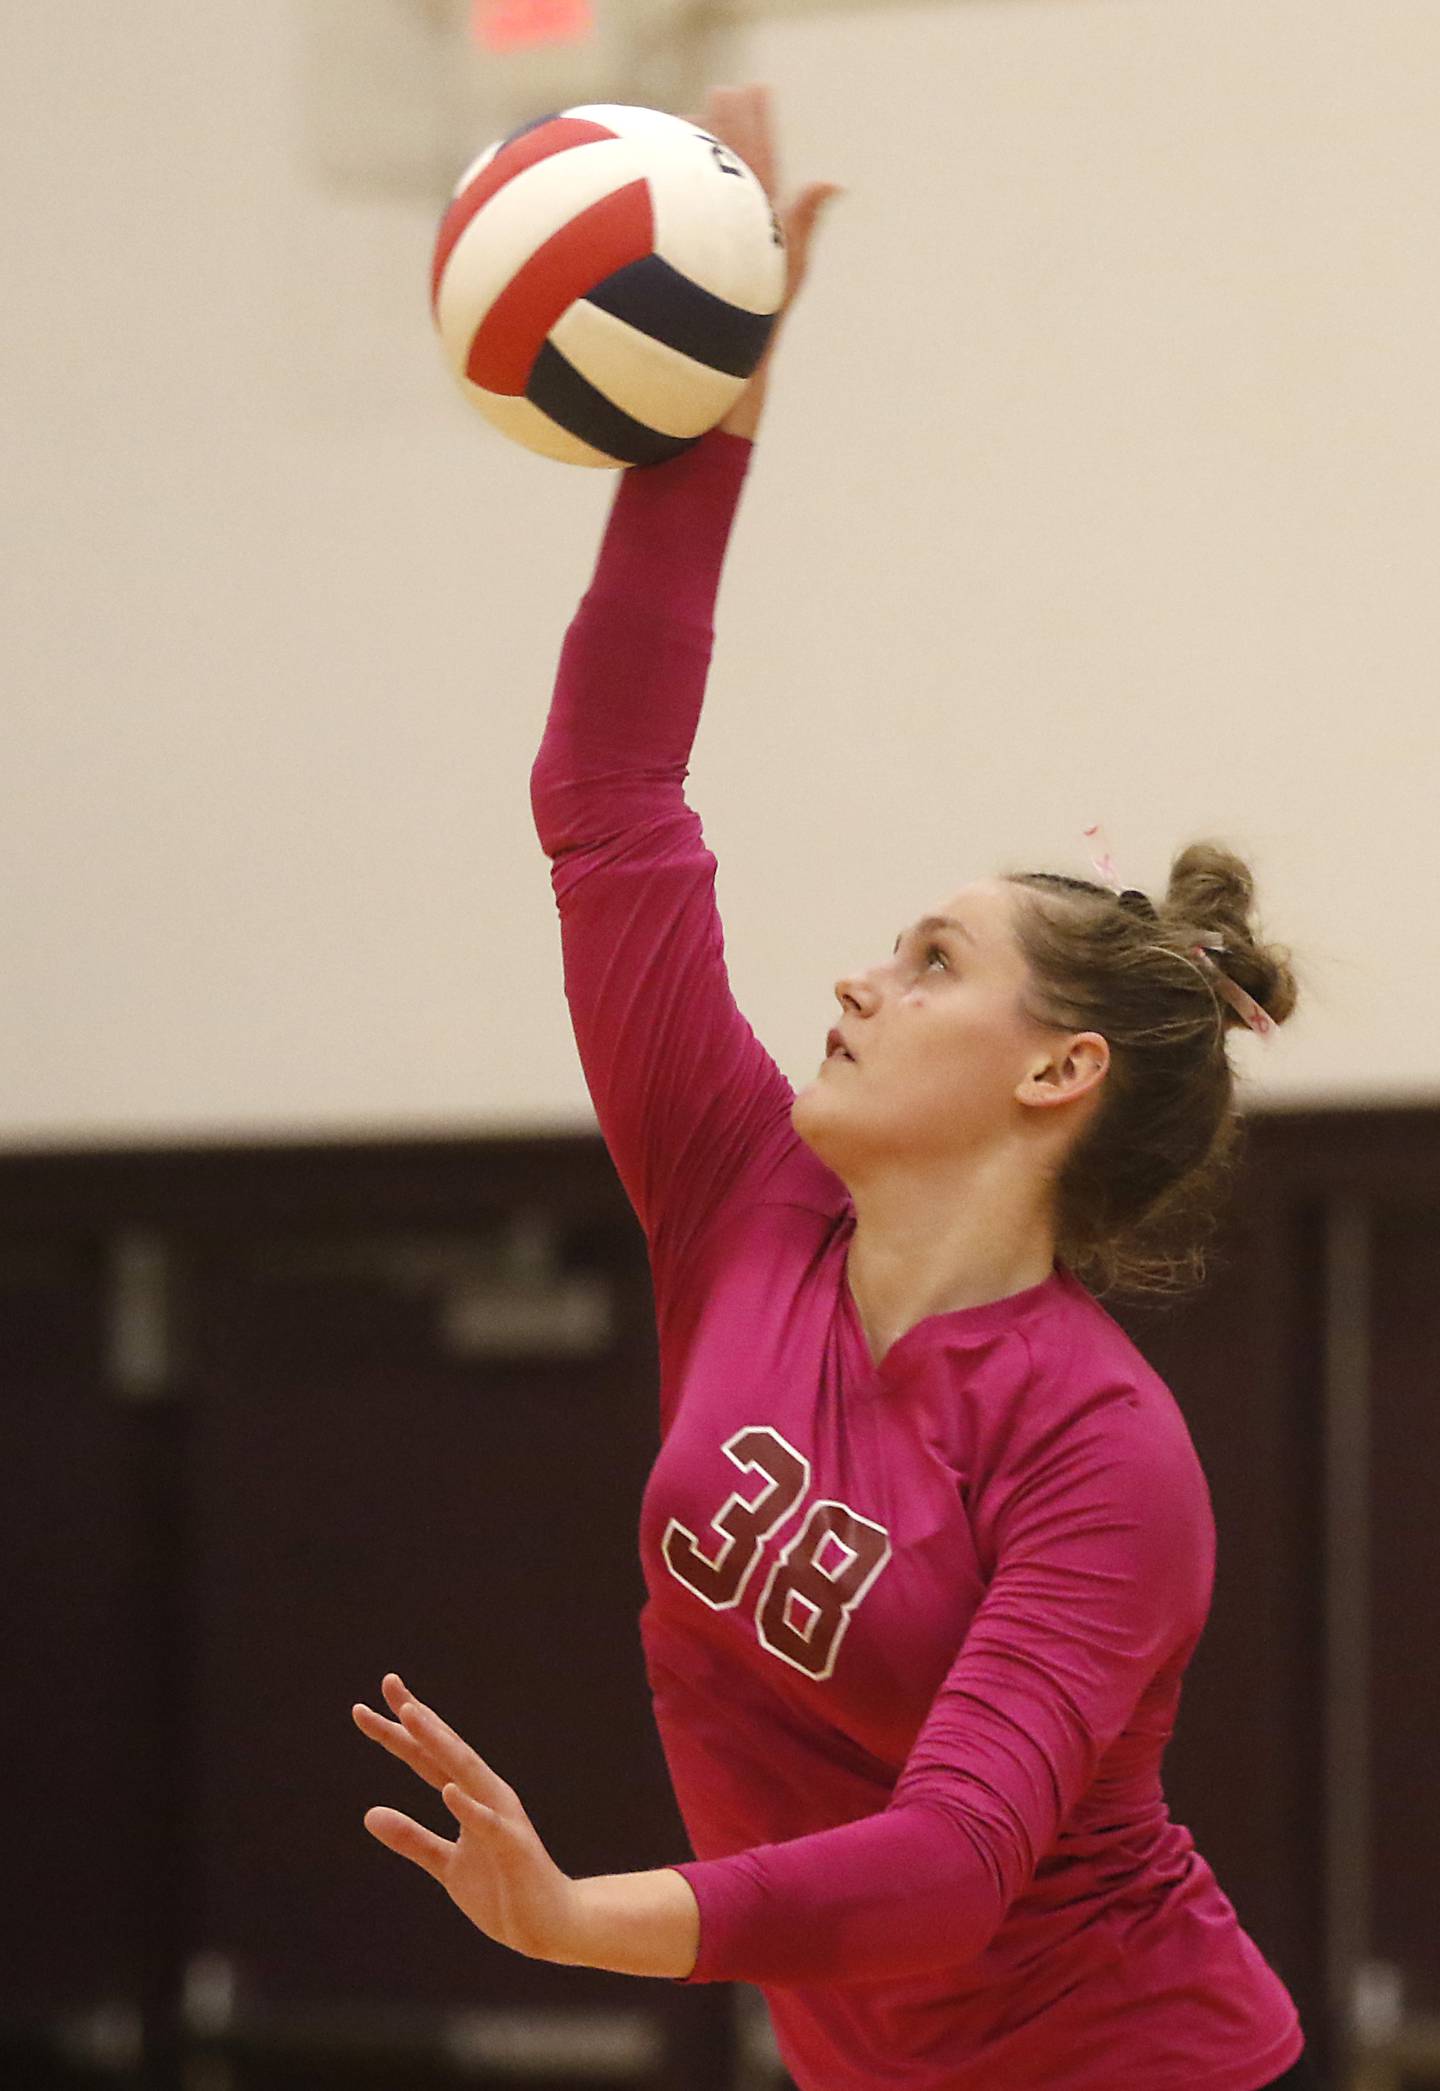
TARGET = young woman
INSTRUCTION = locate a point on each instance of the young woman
(927, 1542)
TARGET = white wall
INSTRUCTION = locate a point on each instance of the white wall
(1100, 480)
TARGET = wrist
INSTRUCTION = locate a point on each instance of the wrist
(743, 418)
(635, 1923)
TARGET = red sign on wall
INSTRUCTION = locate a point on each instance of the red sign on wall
(519, 25)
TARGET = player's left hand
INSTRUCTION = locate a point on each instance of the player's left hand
(498, 1872)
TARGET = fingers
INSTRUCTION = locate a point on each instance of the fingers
(746, 113)
(803, 216)
(740, 117)
(410, 1839)
(799, 223)
(431, 1748)
(455, 1756)
(395, 1737)
(816, 196)
(467, 1786)
(467, 1811)
(743, 119)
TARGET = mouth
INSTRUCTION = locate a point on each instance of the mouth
(836, 1046)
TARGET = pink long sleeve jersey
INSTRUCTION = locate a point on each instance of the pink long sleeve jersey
(915, 1631)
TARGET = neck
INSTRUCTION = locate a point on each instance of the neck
(923, 1249)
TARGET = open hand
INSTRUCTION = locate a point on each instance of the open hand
(497, 1871)
(743, 118)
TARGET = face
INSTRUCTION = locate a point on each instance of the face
(946, 1064)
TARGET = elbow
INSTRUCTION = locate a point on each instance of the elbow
(548, 798)
(975, 1886)
(540, 798)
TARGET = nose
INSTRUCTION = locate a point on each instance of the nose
(854, 991)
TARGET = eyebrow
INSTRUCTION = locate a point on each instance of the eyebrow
(927, 923)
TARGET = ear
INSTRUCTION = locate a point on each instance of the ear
(1069, 1074)
(1088, 1061)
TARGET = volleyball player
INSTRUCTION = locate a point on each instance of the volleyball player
(927, 1543)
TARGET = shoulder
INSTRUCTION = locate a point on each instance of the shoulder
(1102, 1468)
(1084, 1374)
(1091, 1394)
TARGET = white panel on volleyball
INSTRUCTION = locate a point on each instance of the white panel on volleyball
(682, 397)
(511, 224)
(517, 418)
(714, 247)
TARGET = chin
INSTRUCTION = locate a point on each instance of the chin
(818, 1124)
(803, 1112)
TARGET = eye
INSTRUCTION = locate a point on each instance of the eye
(934, 951)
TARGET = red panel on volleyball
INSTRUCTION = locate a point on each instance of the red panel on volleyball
(511, 160)
(610, 235)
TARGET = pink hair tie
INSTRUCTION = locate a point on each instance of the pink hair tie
(1234, 994)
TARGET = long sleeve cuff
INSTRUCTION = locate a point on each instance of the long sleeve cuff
(893, 1894)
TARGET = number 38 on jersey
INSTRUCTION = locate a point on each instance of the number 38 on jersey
(804, 1606)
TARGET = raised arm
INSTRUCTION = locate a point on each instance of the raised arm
(693, 1109)
(691, 1105)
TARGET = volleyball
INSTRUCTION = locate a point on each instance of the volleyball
(605, 281)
